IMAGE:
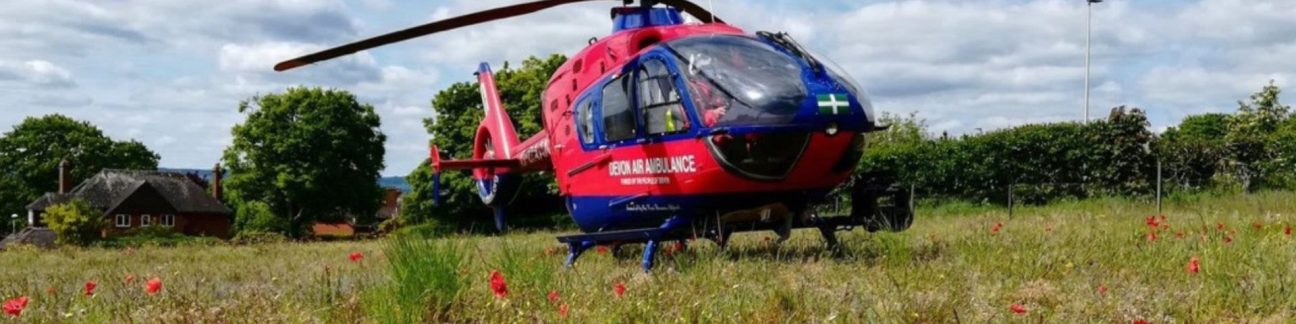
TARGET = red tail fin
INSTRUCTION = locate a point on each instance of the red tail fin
(496, 125)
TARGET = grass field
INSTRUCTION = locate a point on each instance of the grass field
(1087, 261)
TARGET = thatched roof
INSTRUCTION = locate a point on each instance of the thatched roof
(109, 188)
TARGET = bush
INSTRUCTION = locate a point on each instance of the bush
(1038, 163)
(158, 236)
(75, 222)
(256, 216)
(428, 230)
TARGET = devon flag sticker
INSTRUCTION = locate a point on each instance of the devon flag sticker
(834, 104)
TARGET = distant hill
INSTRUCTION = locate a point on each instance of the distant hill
(385, 182)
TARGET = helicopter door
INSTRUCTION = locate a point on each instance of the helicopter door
(659, 101)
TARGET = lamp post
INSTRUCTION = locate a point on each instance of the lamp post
(1088, 35)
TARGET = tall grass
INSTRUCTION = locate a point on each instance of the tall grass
(1074, 261)
(426, 279)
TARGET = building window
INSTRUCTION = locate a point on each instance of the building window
(168, 220)
(146, 220)
(123, 220)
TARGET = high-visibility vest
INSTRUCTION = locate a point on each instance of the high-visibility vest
(670, 120)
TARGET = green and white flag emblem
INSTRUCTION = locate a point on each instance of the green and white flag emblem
(834, 104)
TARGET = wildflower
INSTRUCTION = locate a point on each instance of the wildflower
(1140, 321)
(996, 228)
(153, 286)
(1257, 225)
(1219, 226)
(1228, 239)
(356, 256)
(553, 296)
(1102, 290)
(1151, 236)
(1018, 309)
(601, 249)
(14, 307)
(1151, 222)
(90, 288)
(130, 279)
(562, 310)
(1179, 235)
(498, 286)
(1194, 266)
(618, 289)
(1287, 230)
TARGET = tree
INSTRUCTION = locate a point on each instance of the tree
(1251, 143)
(31, 152)
(308, 154)
(457, 112)
(74, 222)
(1190, 153)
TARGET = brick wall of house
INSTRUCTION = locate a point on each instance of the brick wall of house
(188, 224)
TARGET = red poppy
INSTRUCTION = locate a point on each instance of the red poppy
(1163, 218)
(1151, 236)
(356, 256)
(1151, 221)
(562, 310)
(601, 249)
(1193, 265)
(90, 288)
(1228, 239)
(14, 307)
(1287, 230)
(1180, 234)
(153, 286)
(618, 289)
(553, 296)
(1102, 290)
(1140, 321)
(1219, 226)
(130, 279)
(498, 286)
(996, 228)
(1018, 309)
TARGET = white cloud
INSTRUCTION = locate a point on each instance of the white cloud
(180, 68)
(36, 73)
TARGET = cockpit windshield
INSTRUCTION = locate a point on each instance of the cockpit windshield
(735, 80)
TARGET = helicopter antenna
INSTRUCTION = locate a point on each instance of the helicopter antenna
(711, 8)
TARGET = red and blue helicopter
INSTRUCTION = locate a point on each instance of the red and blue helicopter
(666, 131)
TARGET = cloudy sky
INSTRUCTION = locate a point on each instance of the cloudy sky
(171, 73)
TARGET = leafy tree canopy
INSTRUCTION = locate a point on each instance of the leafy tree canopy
(307, 154)
(31, 152)
(457, 112)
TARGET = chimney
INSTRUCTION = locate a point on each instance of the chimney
(217, 173)
(64, 179)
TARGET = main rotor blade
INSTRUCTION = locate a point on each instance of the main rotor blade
(461, 21)
(424, 29)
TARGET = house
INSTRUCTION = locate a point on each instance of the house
(134, 199)
(389, 208)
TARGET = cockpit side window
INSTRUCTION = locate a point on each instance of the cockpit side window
(618, 112)
(585, 120)
(659, 100)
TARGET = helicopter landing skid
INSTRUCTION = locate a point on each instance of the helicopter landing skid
(577, 244)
